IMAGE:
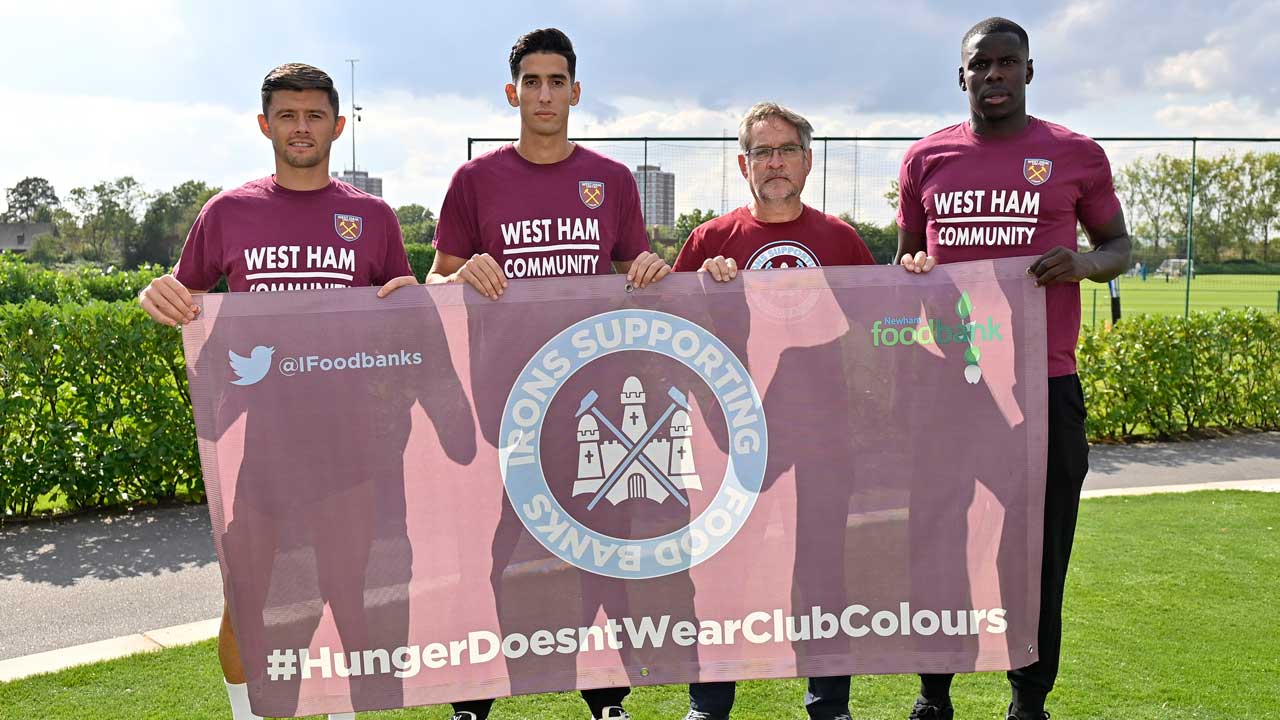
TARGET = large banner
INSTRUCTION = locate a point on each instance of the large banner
(435, 496)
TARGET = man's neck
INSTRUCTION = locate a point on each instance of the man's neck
(776, 211)
(543, 149)
(292, 178)
(1001, 128)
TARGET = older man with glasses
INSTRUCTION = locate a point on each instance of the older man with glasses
(775, 230)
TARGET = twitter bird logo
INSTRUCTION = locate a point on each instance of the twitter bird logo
(253, 368)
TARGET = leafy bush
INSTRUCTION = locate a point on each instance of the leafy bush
(1161, 375)
(93, 407)
(21, 281)
(421, 255)
(1238, 267)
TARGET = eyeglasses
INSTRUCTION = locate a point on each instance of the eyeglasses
(764, 153)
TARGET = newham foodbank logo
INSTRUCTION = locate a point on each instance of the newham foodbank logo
(633, 460)
(902, 331)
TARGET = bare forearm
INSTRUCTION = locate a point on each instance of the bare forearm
(1109, 259)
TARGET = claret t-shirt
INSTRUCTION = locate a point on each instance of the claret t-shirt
(814, 239)
(976, 197)
(572, 217)
(262, 236)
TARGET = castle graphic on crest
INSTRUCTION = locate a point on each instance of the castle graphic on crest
(662, 465)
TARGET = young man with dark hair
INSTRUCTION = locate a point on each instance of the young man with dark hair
(542, 207)
(1005, 184)
(295, 229)
(493, 225)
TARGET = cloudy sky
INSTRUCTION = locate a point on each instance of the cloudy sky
(167, 91)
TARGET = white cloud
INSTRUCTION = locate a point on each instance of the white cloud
(1201, 70)
(1222, 118)
(78, 140)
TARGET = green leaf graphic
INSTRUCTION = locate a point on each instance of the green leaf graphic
(972, 354)
(964, 306)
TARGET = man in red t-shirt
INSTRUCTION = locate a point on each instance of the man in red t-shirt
(294, 229)
(541, 207)
(775, 230)
(1005, 184)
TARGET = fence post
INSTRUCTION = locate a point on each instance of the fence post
(469, 141)
(644, 204)
(824, 174)
(1191, 233)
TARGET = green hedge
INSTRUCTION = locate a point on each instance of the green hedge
(421, 255)
(93, 407)
(1162, 375)
(1238, 267)
(21, 281)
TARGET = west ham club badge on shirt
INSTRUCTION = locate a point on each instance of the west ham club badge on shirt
(348, 227)
(591, 192)
(1037, 170)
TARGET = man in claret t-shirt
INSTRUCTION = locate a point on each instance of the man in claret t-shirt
(542, 207)
(294, 229)
(777, 230)
(1005, 184)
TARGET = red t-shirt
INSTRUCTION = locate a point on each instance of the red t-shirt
(976, 198)
(265, 237)
(572, 217)
(814, 239)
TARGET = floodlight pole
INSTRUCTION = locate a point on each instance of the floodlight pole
(355, 118)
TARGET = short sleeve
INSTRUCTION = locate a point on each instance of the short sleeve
(1098, 202)
(458, 229)
(861, 253)
(200, 266)
(632, 237)
(911, 214)
(694, 252)
(395, 262)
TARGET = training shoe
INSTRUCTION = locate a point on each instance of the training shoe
(464, 716)
(613, 712)
(697, 715)
(925, 711)
(1011, 715)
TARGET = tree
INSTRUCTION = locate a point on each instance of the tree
(881, 240)
(417, 223)
(892, 194)
(108, 215)
(1155, 197)
(47, 250)
(1260, 194)
(31, 200)
(167, 222)
(686, 222)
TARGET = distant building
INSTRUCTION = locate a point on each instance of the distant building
(18, 237)
(657, 195)
(361, 180)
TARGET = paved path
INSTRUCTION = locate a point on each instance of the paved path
(110, 579)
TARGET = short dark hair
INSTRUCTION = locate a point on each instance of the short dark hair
(996, 25)
(546, 40)
(298, 76)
